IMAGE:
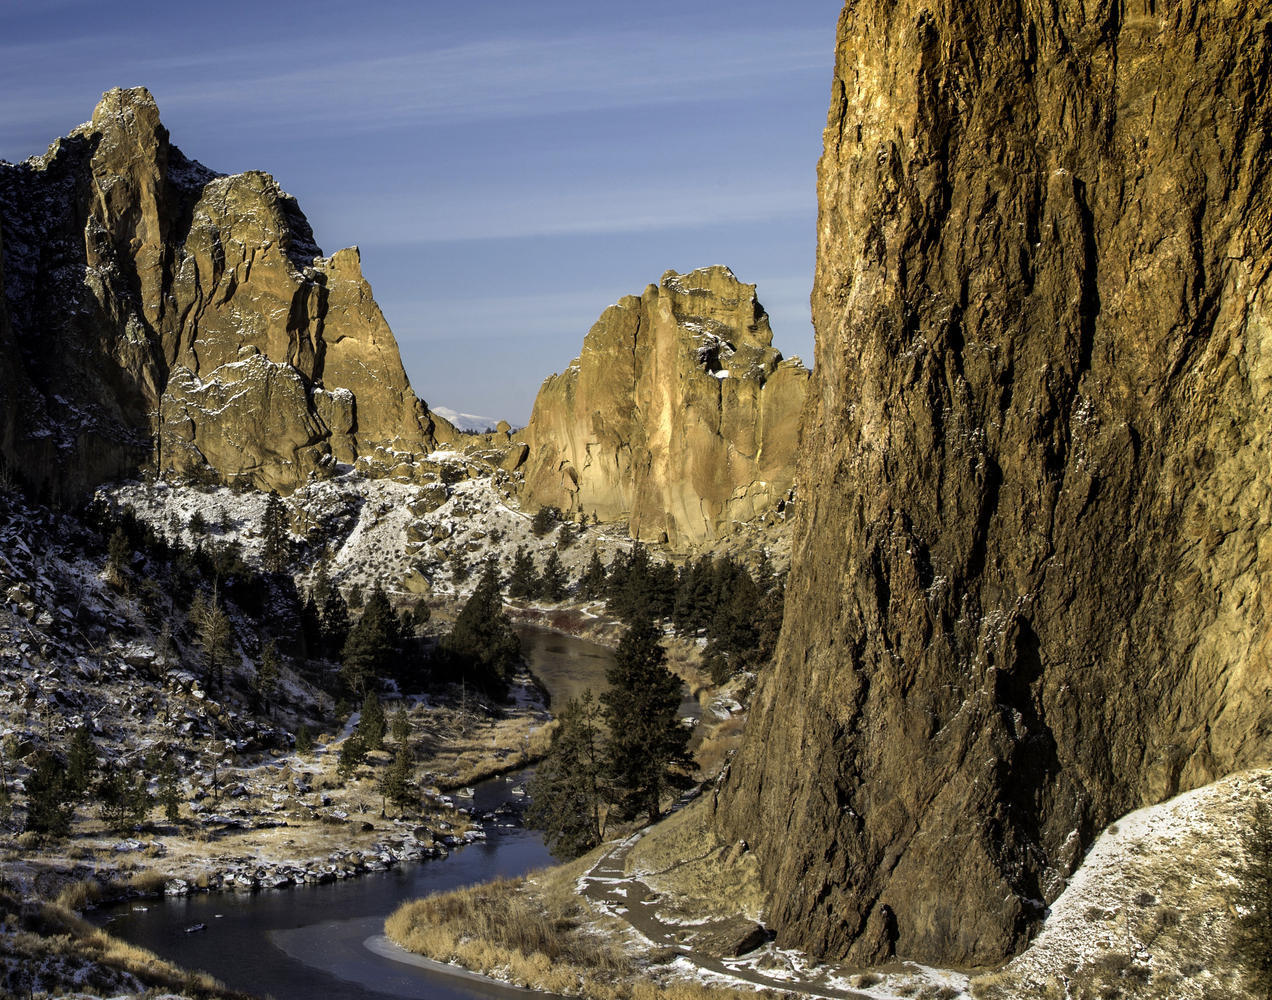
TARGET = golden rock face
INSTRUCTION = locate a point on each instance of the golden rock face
(1030, 573)
(678, 416)
(187, 320)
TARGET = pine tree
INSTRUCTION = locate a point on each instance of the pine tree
(396, 784)
(592, 585)
(523, 583)
(355, 597)
(267, 674)
(420, 614)
(552, 582)
(81, 763)
(214, 628)
(304, 742)
(335, 624)
(482, 646)
(49, 801)
(198, 526)
(275, 550)
(566, 536)
(371, 723)
(1252, 937)
(311, 628)
(565, 792)
(458, 567)
(353, 751)
(368, 652)
(169, 793)
(647, 753)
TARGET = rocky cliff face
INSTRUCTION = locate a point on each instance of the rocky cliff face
(167, 316)
(1031, 564)
(678, 417)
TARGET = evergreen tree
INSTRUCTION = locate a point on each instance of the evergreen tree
(335, 624)
(396, 784)
(81, 763)
(458, 567)
(119, 551)
(275, 550)
(565, 792)
(169, 793)
(214, 629)
(322, 584)
(123, 798)
(420, 614)
(592, 585)
(566, 536)
(524, 581)
(355, 597)
(311, 628)
(1252, 937)
(353, 751)
(552, 582)
(49, 801)
(401, 725)
(198, 525)
(267, 674)
(481, 646)
(371, 723)
(647, 753)
(369, 651)
(304, 742)
(544, 521)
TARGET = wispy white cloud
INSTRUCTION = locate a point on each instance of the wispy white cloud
(341, 87)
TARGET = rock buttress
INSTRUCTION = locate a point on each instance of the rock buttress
(170, 316)
(1030, 570)
(679, 416)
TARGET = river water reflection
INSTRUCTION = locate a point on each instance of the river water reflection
(306, 942)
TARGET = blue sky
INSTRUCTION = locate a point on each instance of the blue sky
(507, 169)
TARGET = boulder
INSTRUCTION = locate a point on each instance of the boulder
(729, 938)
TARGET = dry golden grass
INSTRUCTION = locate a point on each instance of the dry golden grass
(78, 895)
(530, 932)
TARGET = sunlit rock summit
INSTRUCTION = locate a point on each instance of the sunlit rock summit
(158, 314)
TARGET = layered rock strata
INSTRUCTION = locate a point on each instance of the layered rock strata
(1031, 568)
(679, 416)
(164, 315)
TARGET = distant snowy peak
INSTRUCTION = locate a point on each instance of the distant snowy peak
(466, 421)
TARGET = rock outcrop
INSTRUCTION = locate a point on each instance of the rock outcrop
(170, 317)
(679, 416)
(1030, 569)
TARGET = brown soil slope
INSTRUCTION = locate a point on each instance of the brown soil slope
(1030, 562)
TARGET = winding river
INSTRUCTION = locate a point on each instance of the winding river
(308, 941)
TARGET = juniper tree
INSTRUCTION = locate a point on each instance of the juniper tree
(123, 800)
(396, 783)
(565, 792)
(566, 536)
(353, 751)
(371, 723)
(647, 754)
(119, 551)
(524, 580)
(355, 597)
(198, 525)
(322, 584)
(544, 521)
(401, 725)
(304, 742)
(552, 582)
(458, 567)
(420, 614)
(311, 627)
(274, 531)
(81, 762)
(50, 803)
